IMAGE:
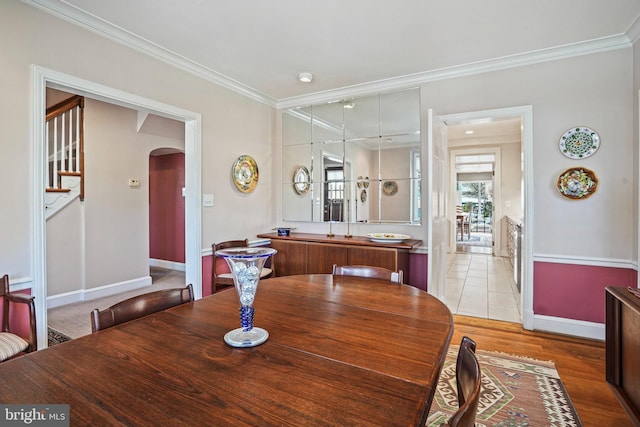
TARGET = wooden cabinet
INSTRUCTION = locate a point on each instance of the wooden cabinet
(291, 258)
(305, 253)
(321, 257)
(623, 348)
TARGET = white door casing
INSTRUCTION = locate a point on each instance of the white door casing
(43, 78)
(525, 113)
(437, 204)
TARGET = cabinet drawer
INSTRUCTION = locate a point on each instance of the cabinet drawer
(291, 258)
(377, 257)
(321, 257)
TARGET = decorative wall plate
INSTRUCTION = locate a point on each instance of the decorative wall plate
(577, 183)
(245, 173)
(387, 237)
(579, 142)
(365, 183)
(301, 180)
(390, 188)
(359, 182)
(363, 195)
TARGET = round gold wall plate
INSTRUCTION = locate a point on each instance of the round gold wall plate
(245, 173)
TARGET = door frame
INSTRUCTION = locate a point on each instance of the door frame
(43, 78)
(437, 204)
(525, 113)
(497, 193)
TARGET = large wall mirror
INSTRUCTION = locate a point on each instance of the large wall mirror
(353, 160)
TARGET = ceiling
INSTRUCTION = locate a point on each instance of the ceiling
(258, 48)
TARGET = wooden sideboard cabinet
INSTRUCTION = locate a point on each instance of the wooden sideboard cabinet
(307, 253)
(623, 348)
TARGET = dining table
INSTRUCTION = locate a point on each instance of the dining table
(341, 351)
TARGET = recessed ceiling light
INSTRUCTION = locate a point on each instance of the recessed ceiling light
(469, 132)
(305, 77)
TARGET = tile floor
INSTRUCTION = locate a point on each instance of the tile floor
(482, 285)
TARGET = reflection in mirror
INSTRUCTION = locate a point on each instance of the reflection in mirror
(350, 149)
(301, 180)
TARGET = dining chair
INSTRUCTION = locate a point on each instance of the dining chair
(462, 223)
(221, 276)
(12, 344)
(368, 271)
(468, 383)
(139, 306)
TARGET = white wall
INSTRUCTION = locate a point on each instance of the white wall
(593, 90)
(231, 125)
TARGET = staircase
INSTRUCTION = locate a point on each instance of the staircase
(65, 154)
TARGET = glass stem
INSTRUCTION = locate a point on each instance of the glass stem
(246, 317)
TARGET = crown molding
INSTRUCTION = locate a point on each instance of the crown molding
(620, 41)
(633, 32)
(99, 26)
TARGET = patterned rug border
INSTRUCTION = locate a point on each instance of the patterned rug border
(56, 337)
(551, 363)
(499, 407)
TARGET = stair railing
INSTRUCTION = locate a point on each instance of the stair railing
(65, 143)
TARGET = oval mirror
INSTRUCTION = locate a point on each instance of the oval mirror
(301, 180)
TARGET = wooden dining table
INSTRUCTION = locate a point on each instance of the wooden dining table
(342, 351)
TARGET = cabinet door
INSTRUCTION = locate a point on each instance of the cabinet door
(321, 257)
(377, 257)
(291, 258)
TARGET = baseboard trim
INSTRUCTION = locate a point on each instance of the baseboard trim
(59, 300)
(170, 265)
(578, 328)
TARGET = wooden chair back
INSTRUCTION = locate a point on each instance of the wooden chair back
(368, 271)
(221, 277)
(16, 344)
(139, 306)
(468, 382)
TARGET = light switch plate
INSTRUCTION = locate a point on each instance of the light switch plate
(207, 200)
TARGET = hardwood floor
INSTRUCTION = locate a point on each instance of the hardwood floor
(580, 363)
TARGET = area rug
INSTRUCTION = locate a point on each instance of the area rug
(475, 240)
(515, 392)
(56, 337)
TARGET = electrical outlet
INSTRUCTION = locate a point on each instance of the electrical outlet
(207, 200)
(133, 182)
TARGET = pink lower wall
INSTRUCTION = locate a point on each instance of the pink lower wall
(575, 291)
(418, 269)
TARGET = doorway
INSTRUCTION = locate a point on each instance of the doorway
(166, 209)
(43, 78)
(475, 198)
(472, 279)
(333, 193)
